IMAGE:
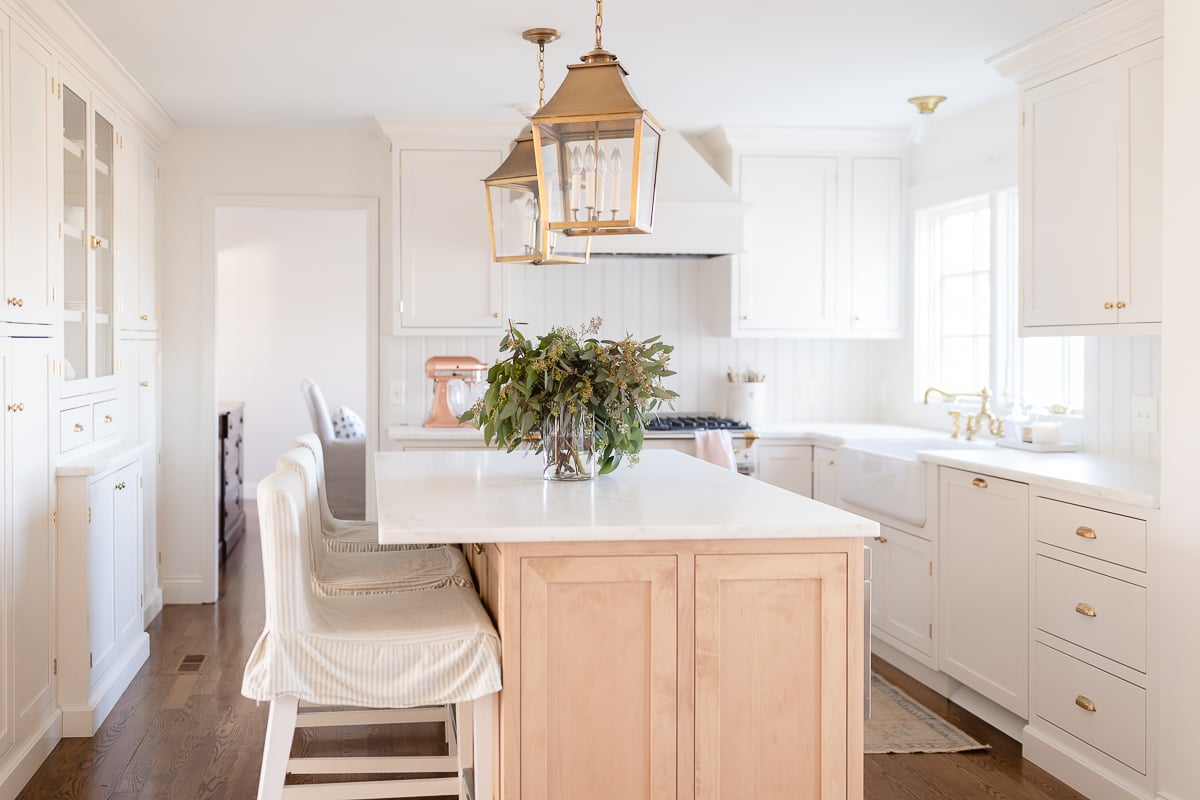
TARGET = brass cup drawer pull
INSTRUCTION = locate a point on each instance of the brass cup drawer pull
(1086, 609)
(77, 428)
(1085, 532)
(979, 483)
(1085, 703)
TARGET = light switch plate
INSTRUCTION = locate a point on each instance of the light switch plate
(1145, 414)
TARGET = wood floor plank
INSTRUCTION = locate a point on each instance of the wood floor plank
(192, 736)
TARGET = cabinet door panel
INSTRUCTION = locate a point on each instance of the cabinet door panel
(788, 277)
(985, 586)
(101, 574)
(127, 237)
(147, 302)
(35, 145)
(786, 466)
(127, 551)
(874, 244)
(1141, 274)
(583, 617)
(31, 532)
(448, 277)
(1070, 199)
(825, 476)
(771, 666)
(907, 604)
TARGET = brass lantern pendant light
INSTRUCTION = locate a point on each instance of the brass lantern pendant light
(597, 150)
(519, 231)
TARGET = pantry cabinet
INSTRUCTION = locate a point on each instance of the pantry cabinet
(984, 602)
(28, 557)
(1091, 175)
(30, 268)
(824, 233)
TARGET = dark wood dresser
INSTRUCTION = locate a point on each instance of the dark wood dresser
(232, 514)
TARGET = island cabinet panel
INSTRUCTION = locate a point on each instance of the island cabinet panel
(598, 674)
(768, 627)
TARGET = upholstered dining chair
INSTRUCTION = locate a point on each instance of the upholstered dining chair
(345, 459)
(401, 657)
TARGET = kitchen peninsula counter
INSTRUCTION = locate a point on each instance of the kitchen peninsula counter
(672, 630)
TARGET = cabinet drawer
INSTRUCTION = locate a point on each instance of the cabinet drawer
(1094, 611)
(104, 419)
(1091, 532)
(74, 427)
(1117, 726)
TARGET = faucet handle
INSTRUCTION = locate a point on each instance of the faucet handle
(957, 417)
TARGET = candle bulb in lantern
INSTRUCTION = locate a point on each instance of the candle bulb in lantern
(614, 183)
(599, 194)
(576, 177)
(589, 177)
(531, 215)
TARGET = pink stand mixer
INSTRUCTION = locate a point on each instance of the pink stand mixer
(443, 370)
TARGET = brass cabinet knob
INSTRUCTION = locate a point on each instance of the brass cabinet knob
(77, 428)
(1085, 703)
(881, 539)
(107, 419)
(745, 316)
(144, 384)
(1108, 306)
(979, 483)
(144, 317)
(1085, 532)
(830, 462)
(1120, 304)
(1086, 609)
(495, 315)
(95, 242)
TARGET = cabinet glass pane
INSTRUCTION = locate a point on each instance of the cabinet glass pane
(102, 247)
(75, 261)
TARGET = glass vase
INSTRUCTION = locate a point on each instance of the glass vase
(569, 447)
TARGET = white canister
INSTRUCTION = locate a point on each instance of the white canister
(746, 402)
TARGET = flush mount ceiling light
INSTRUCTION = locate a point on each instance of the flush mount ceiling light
(924, 131)
(597, 150)
(515, 208)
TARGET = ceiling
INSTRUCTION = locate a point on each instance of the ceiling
(313, 63)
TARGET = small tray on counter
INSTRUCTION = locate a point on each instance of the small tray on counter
(1057, 447)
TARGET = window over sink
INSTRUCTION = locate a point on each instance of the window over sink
(966, 309)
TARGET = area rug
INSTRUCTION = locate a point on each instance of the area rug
(899, 724)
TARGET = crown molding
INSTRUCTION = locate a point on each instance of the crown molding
(411, 133)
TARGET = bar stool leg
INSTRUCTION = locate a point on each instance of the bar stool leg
(281, 724)
(465, 733)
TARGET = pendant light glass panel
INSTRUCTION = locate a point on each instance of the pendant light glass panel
(599, 174)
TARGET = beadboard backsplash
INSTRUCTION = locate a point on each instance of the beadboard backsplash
(807, 379)
(1116, 370)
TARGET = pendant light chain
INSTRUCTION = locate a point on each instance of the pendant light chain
(541, 61)
(599, 22)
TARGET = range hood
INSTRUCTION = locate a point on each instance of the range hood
(696, 213)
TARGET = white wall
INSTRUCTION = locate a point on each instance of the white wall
(198, 165)
(807, 379)
(1176, 545)
(291, 292)
(978, 154)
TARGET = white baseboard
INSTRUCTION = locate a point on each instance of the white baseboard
(185, 591)
(939, 682)
(1085, 775)
(152, 608)
(995, 715)
(17, 769)
(86, 720)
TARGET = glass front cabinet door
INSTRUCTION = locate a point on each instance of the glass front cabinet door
(89, 327)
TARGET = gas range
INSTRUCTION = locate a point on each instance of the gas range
(684, 424)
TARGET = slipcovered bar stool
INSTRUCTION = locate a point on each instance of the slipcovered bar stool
(392, 656)
(345, 535)
(367, 572)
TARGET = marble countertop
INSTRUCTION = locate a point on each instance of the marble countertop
(490, 496)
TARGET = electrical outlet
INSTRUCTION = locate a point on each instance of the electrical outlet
(396, 395)
(1145, 415)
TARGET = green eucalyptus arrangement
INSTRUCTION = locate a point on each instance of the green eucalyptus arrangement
(569, 373)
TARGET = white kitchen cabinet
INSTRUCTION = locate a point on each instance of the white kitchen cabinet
(30, 269)
(984, 608)
(144, 355)
(447, 281)
(137, 218)
(824, 233)
(28, 586)
(101, 636)
(903, 592)
(825, 475)
(1091, 176)
(147, 273)
(788, 466)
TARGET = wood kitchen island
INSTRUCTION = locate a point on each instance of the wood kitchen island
(669, 631)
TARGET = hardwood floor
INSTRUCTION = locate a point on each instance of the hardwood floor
(187, 735)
